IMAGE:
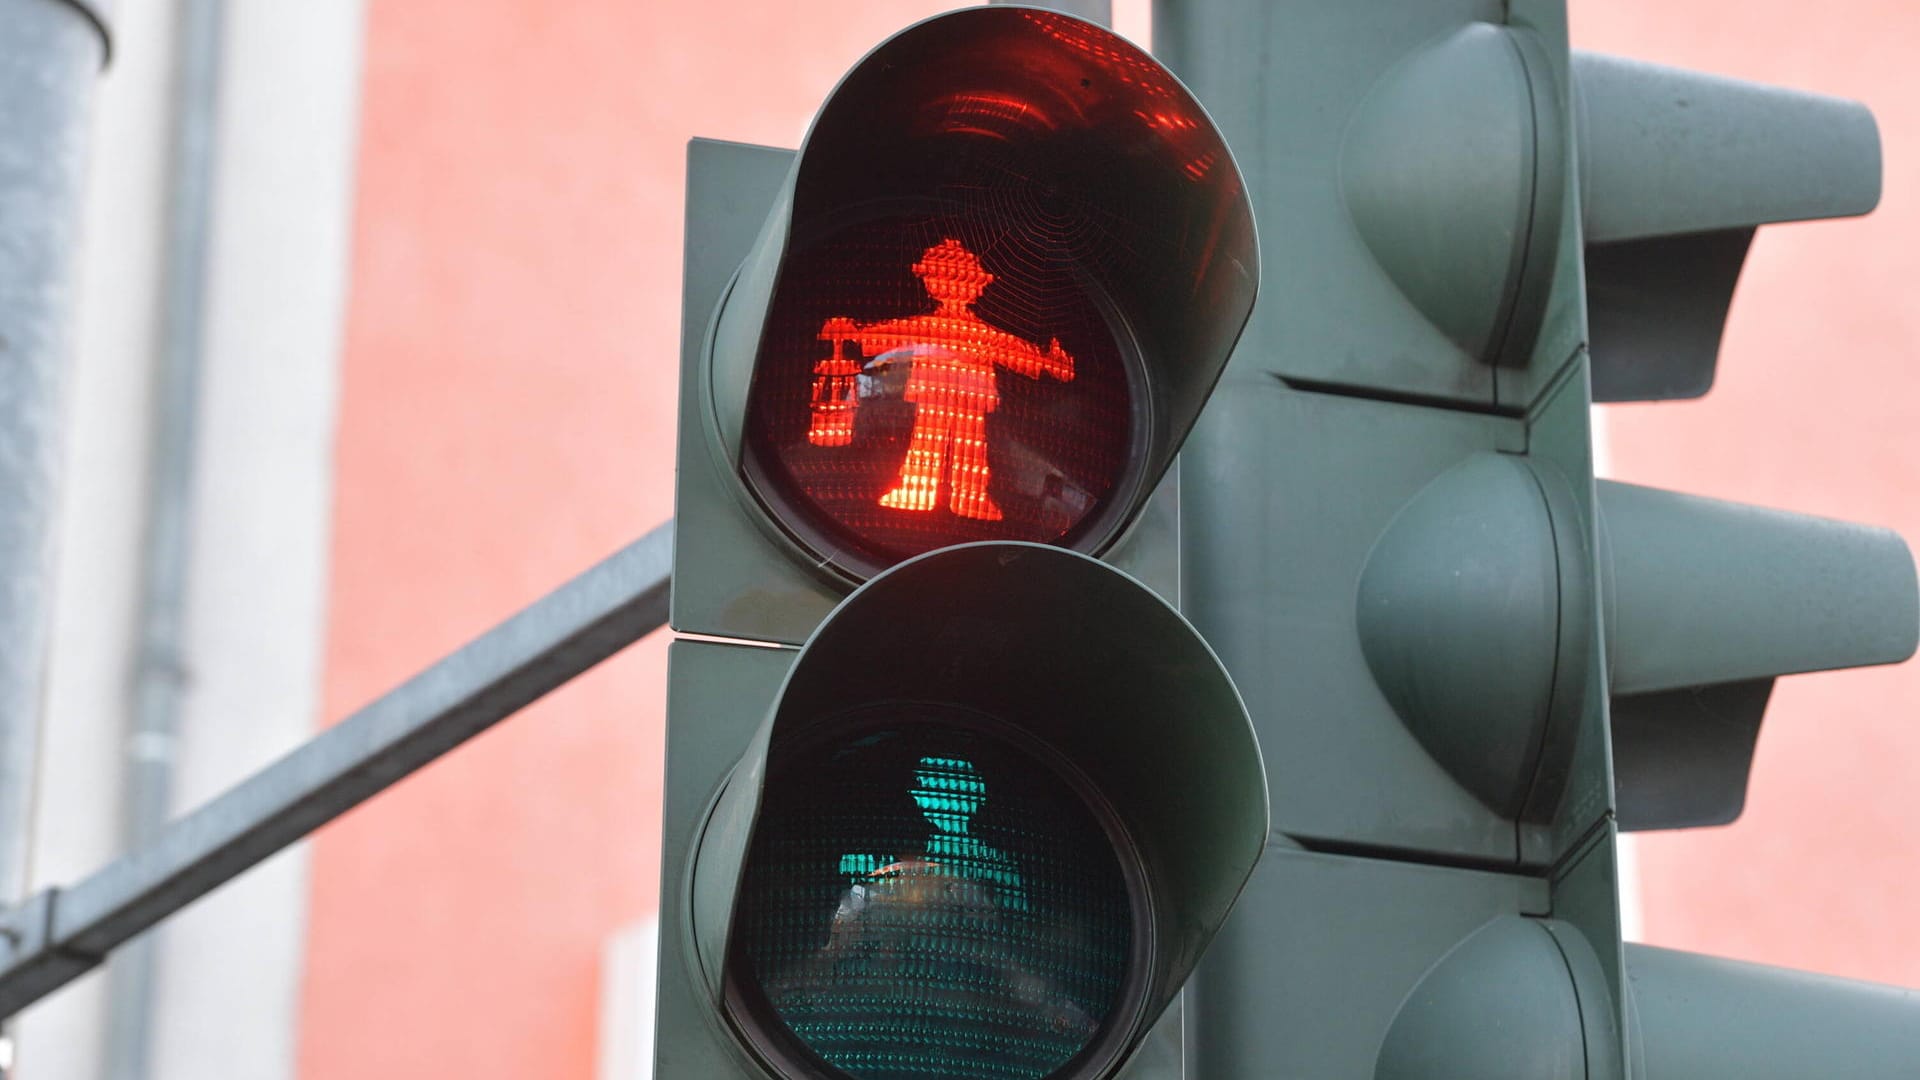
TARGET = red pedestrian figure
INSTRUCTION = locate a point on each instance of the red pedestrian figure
(951, 385)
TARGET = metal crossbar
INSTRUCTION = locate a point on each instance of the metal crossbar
(60, 933)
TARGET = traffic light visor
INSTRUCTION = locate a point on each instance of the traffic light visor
(1014, 258)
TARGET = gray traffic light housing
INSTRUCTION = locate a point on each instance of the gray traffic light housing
(995, 208)
(1469, 662)
(1051, 650)
(1084, 182)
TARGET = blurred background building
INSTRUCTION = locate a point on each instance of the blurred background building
(411, 363)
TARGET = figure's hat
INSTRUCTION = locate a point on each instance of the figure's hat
(950, 261)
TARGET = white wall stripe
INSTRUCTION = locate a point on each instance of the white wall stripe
(228, 982)
(1632, 905)
(627, 980)
(228, 987)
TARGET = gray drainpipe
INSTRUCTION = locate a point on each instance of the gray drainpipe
(162, 673)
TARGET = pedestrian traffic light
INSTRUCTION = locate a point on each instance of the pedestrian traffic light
(937, 367)
(988, 300)
(993, 814)
(1469, 663)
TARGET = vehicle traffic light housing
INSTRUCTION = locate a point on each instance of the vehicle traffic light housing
(1469, 662)
(936, 368)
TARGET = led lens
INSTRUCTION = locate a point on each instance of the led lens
(917, 389)
(926, 902)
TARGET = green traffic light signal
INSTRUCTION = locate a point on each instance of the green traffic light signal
(993, 814)
(983, 824)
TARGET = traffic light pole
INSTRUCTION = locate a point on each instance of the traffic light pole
(62, 933)
(50, 57)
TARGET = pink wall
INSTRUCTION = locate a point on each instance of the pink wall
(506, 420)
(1816, 409)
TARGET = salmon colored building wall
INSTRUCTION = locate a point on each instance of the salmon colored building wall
(506, 420)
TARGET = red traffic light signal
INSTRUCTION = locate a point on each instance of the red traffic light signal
(920, 428)
(1005, 270)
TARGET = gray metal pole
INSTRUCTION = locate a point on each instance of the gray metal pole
(160, 676)
(60, 934)
(51, 51)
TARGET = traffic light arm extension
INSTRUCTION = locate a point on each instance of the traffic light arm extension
(60, 934)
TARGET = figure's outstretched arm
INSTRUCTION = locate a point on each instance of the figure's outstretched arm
(996, 346)
(1059, 362)
(1017, 355)
(875, 338)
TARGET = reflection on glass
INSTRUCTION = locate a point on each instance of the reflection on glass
(974, 924)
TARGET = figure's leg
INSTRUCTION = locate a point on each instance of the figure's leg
(970, 473)
(918, 487)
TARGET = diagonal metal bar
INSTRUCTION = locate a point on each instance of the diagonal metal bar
(59, 934)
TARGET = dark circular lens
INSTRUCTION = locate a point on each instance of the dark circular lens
(927, 379)
(929, 902)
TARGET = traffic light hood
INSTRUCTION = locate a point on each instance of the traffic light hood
(1677, 170)
(1473, 617)
(1706, 603)
(1051, 653)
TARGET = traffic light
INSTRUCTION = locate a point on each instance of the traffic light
(987, 816)
(1468, 662)
(987, 302)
